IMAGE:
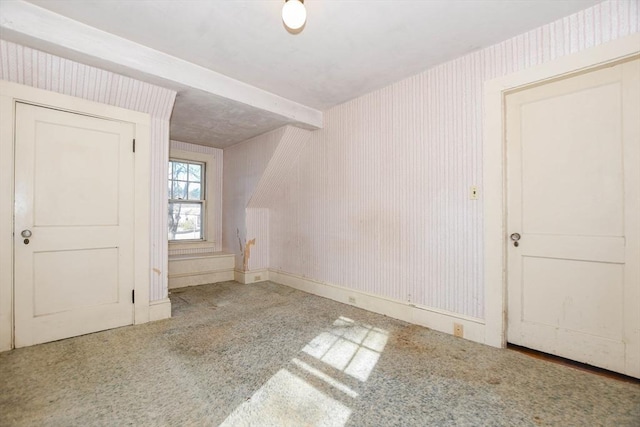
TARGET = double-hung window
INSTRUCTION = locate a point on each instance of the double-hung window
(187, 205)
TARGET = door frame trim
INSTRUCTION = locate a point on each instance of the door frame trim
(494, 158)
(10, 93)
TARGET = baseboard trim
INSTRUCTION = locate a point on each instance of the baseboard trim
(199, 278)
(439, 320)
(199, 273)
(253, 276)
(159, 310)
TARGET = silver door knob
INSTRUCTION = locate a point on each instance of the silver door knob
(515, 237)
(26, 233)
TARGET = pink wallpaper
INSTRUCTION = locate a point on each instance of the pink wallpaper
(254, 170)
(244, 166)
(258, 229)
(30, 67)
(378, 200)
(285, 155)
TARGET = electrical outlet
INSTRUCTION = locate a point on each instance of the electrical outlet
(352, 300)
(473, 192)
(257, 278)
(458, 330)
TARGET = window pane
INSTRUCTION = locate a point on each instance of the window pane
(169, 190)
(180, 170)
(185, 221)
(194, 191)
(195, 172)
(179, 190)
(170, 169)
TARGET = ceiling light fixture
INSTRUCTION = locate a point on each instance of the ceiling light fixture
(294, 14)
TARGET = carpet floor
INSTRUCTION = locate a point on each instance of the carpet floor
(268, 355)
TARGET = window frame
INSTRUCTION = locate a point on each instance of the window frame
(209, 161)
(202, 201)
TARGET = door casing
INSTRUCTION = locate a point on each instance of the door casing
(574, 282)
(10, 93)
(494, 161)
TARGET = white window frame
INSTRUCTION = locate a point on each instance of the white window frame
(208, 204)
(202, 201)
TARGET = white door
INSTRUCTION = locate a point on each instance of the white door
(74, 195)
(573, 165)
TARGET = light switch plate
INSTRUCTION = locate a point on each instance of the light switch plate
(473, 192)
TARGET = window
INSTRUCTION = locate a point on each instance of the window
(186, 200)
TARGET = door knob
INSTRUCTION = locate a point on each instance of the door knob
(26, 233)
(515, 237)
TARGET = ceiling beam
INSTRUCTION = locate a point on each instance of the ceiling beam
(25, 23)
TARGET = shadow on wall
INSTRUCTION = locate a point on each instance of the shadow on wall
(345, 354)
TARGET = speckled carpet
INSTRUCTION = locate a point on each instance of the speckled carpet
(268, 355)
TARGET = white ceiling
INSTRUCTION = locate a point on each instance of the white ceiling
(347, 48)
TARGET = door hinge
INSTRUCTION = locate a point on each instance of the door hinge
(134, 145)
(133, 296)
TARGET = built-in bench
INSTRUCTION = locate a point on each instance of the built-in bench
(200, 269)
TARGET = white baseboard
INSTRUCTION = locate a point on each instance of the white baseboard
(200, 269)
(199, 278)
(439, 320)
(248, 277)
(159, 310)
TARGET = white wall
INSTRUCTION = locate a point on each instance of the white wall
(378, 200)
(30, 67)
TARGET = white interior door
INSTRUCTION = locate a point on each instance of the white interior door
(74, 195)
(573, 190)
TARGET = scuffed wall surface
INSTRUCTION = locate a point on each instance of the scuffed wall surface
(257, 258)
(30, 67)
(216, 203)
(378, 200)
(267, 160)
(244, 164)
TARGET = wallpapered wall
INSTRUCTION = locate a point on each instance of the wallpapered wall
(379, 199)
(254, 171)
(244, 165)
(30, 67)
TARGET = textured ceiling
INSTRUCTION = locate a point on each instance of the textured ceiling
(199, 117)
(347, 48)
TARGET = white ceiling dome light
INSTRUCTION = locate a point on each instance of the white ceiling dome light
(294, 14)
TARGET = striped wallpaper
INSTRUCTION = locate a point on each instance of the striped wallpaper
(378, 201)
(215, 204)
(30, 67)
(258, 229)
(244, 166)
(254, 170)
(291, 144)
